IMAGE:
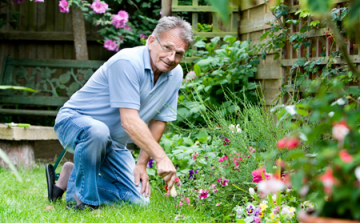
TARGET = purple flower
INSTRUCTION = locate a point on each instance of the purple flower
(111, 45)
(99, 7)
(257, 212)
(64, 6)
(18, 1)
(142, 35)
(150, 163)
(250, 209)
(192, 174)
(119, 20)
(276, 209)
(127, 27)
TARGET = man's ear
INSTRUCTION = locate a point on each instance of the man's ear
(151, 40)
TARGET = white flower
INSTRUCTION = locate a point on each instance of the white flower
(303, 137)
(331, 114)
(339, 101)
(232, 128)
(340, 130)
(238, 129)
(274, 197)
(251, 191)
(357, 172)
(239, 212)
(290, 109)
(271, 186)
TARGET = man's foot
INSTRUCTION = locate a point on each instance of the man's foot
(54, 192)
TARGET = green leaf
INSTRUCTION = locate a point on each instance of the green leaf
(6, 159)
(276, 56)
(222, 7)
(319, 6)
(5, 87)
(200, 44)
(197, 70)
(302, 112)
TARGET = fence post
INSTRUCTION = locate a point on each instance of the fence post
(80, 42)
(165, 8)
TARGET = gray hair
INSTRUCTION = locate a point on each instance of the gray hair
(170, 22)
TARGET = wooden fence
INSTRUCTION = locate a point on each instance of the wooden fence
(43, 32)
(250, 21)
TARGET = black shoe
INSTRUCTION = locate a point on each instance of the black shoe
(54, 192)
(83, 206)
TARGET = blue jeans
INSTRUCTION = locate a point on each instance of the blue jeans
(103, 171)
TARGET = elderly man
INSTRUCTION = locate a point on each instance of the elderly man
(131, 96)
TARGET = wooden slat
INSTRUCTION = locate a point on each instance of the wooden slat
(205, 8)
(269, 71)
(33, 100)
(44, 36)
(295, 8)
(28, 112)
(93, 64)
(354, 58)
(251, 4)
(214, 34)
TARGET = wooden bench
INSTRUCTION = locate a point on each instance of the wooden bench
(56, 81)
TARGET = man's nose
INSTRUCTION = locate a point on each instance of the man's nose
(171, 56)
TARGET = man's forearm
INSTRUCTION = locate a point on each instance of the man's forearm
(156, 128)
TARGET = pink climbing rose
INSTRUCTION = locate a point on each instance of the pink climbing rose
(99, 7)
(127, 27)
(119, 20)
(111, 45)
(39, 0)
(143, 36)
(64, 6)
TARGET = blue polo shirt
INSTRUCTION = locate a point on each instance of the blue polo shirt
(126, 80)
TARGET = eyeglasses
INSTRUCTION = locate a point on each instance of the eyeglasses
(170, 51)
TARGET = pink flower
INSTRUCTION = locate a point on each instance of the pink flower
(143, 36)
(111, 45)
(214, 191)
(251, 149)
(127, 27)
(340, 130)
(221, 159)
(281, 143)
(180, 203)
(328, 180)
(99, 7)
(292, 143)
(203, 193)
(194, 155)
(257, 177)
(222, 181)
(218, 204)
(344, 156)
(39, 0)
(226, 141)
(190, 76)
(120, 19)
(187, 200)
(64, 6)
(257, 220)
(213, 186)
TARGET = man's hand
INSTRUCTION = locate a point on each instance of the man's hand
(166, 170)
(141, 174)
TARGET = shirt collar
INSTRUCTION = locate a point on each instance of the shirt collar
(147, 62)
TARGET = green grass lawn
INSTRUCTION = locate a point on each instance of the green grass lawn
(27, 202)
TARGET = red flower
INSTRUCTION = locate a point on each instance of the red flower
(344, 156)
(292, 143)
(328, 180)
(281, 143)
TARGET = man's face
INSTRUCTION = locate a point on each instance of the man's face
(166, 51)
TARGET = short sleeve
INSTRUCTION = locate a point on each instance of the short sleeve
(124, 85)
(169, 111)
